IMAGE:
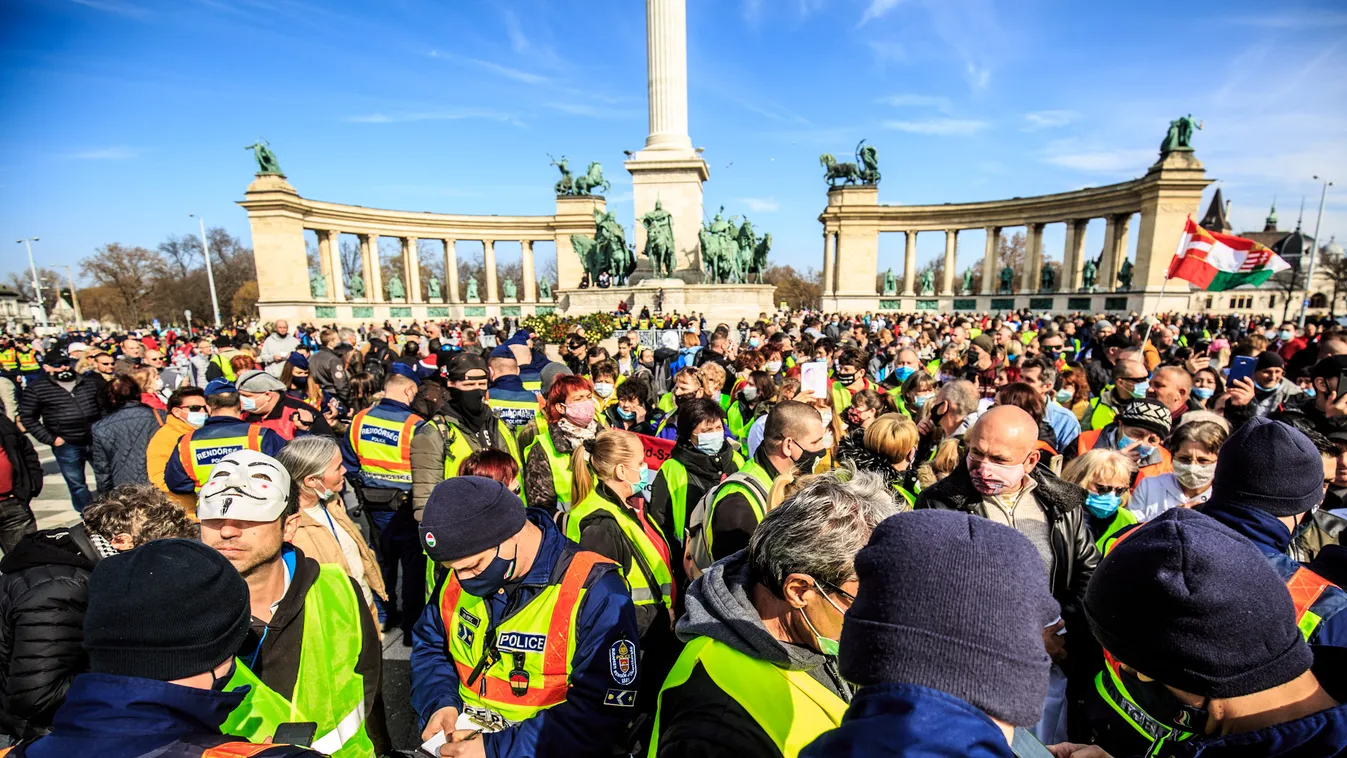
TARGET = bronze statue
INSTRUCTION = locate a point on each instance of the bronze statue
(928, 282)
(564, 184)
(760, 250)
(318, 285)
(473, 297)
(1125, 275)
(1007, 281)
(1180, 135)
(433, 286)
(357, 286)
(395, 290)
(890, 282)
(968, 281)
(659, 240)
(864, 171)
(1089, 276)
(545, 290)
(1047, 280)
(607, 251)
(718, 248)
(511, 291)
(593, 178)
(267, 165)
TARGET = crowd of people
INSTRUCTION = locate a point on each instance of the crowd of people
(804, 535)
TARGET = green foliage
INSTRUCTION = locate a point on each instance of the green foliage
(551, 329)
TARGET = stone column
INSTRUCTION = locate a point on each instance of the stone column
(411, 266)
(530, 281)
(951, 247)
(910, 263)
(450, 271)
(989, 272)
(489, 263)
(369, 255)
(829, 262)
(667, 58)
(1033, 257)
(1171, 191)
(329, 265)
(1108, 267)
(1120, 225)
(1073, 257)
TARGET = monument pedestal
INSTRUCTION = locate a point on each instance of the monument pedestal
(720, 302)
(674, 178)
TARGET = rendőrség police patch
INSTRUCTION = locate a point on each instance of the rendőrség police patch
(622, 662)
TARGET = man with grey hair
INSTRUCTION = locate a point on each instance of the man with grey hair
(277, 347)
(762, 626)
(953, 412)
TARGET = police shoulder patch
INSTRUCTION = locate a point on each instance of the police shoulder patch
(620, 698)
(622, 662)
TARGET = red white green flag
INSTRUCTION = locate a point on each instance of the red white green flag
(1218, 262)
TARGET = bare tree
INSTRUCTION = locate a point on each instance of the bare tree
(351, 262)
(798, 290)
(1288, 284)
(123, 270)
(1334, 268)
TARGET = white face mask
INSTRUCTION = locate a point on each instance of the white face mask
(749, 393)
(773, 366)
(603, 389)
(245, 485)
(1195, 476)
(826, 415)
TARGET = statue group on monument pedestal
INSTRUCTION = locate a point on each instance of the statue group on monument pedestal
(659, 240)
(1180, 135)
(579, 185)
(433, 286)
(395, 289)
(864, 171)
(357, 286)
(1089, 276)
(890, 282)
(927, 282)
(318, 285)
(606, 256)
(1007, 281)
(267, 165)
(1125, 275)
(1047, 280)
(472, 295)
(732, 252)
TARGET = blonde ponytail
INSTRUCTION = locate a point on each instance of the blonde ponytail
(597, 459)
(582, 478)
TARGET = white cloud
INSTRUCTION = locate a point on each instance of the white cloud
(1050, 119)
(1307, 19)
(593, 111)
(113, 6)
(978, 76)
(760, 204)
(405, 117)
(119, 153)
(518, 41)
(938, 126)
(938, 102)
(877, 9)
(509, 73)
(1105, 161)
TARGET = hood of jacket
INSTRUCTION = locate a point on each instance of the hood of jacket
(718, 606)
(65, 546)
(1256, 525)
(906, 719)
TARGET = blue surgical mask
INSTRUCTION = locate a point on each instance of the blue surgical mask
(1309, 392)
(643, 483)
(1124, 441)
(710, 442)
(490, 579)
(1065, 396)
(1203, 393)
(624, 414)
(1145, 451)
(1139, 389)
(1286, 335)
(197, 419)
(920, 400)
(903, 372)
(248, 403)
(754, 341)
(1102, 506)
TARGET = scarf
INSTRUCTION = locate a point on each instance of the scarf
(577, 433)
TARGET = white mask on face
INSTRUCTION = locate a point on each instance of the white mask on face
(245, 485)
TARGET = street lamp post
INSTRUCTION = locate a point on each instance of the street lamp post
(74, 298)
(1314, 248)
(210, 276)
(37, 286)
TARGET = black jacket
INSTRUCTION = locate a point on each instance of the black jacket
(119, 443)
(48, 411)
(43, 594)
(22, 458)
(277, 662)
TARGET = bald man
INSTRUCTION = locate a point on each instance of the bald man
(999, 480)
(277, 347)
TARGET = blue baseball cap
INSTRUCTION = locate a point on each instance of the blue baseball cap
(220, 387)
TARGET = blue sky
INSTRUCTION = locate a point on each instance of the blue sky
(124, 116)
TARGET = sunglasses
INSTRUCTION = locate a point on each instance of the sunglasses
(1119, 491)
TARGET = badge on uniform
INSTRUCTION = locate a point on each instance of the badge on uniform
(468, 618)
(620, 698)
(466, 634)
(622, 662)
(519, 682)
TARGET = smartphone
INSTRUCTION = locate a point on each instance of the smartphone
(1025, 745)
(1243, 367)
(295, 733)
(1342, 387)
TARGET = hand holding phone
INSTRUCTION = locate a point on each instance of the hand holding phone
(1243, 367)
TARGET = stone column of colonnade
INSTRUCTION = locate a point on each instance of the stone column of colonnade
(910, 263)
(951, 252)
(989, 272)
(489, 262)
(329, 261)
(1033, 257)
(530, 280)
(369, 261)
(1073, 258)
(411, 268)
(829, 261)
(1115, 250)
(451, 271)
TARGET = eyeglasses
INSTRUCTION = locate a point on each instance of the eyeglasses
(1133, 379)
(1119, 491)
(838, 591)
(201, 407)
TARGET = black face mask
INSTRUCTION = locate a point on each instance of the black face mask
(65, 375)
(1155, 699)
(471, 402)
(808, 459)
(219, 683)
(650, 365)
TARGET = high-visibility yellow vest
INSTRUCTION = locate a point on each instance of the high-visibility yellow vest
(457, 448)
(9, 359)
(536, 645)
(1121, 520)
(791, 706)
(559, 463)
(675, 476)
(328, 690)
(219, 360)
(28, 360)
(384, 447)
(199, 456)
(738, 424)
(759, 508)
(666, 403)
(642, 591)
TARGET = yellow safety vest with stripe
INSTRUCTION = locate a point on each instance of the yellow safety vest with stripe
(328, 691)
(790, 706)
(908, 496)
(1100, 414)
(759, 508)
(9, 359)
(224, 366)
(457, 448)
(1121, 520)
(560, 465)
(28, 360)
(199, 456)
(666, 403)
(652, 589)
(738, 423)
(384, 446)
(675, 476)
(528, 667)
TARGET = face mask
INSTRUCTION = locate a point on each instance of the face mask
(603, 389)
(65, 375)
(643, 484)
(749, 393)
(1139, 389)
(754, 342)
(1286, 335)
(1195, 476)
(994, 478)
(848, 379)
(826, 416)
(624, 414)
(489, 581)
(826, 645)
(220, 682)
(1265, 389)
(1155, 699)
(710, 442)
(1144, 451)
(922, 400)
(324, 495)
(197, 419)
(1053, 354)
(469, 401)
(1102, 506)
(773, 366)
(808, 459)
(1203, 393)
(648, 366)
(903, 372)
(248, 403)
(1065, 395)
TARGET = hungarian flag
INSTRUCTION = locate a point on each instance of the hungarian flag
(1218, 262)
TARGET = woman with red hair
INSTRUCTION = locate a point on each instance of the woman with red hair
(570, 412)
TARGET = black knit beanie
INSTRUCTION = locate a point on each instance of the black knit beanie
(1271, 466)
(1190, 603)
(465, 515)
(956, 603)
(166, 610)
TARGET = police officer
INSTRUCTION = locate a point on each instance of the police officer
(9, 357)
(28, 358)
(162, 627)
(376, 450)
(515, 404)
(224, 432)
(531, 641)
(312, 652)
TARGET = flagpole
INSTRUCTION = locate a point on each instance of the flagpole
(1150, 325)
(1182, 246)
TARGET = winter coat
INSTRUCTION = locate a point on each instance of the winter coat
(317, 541)
(23, 460)
(910, 720)
(49, 411)
(43, 594)
(699, 719)
(120, 442)
(162, 446)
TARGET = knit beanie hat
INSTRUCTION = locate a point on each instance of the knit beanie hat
(1271, 466)
(466, 515)
(984, 343)
(1268, 359)
(169, 609)
(1186, 601)
(956, 603)
(1145, 413)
